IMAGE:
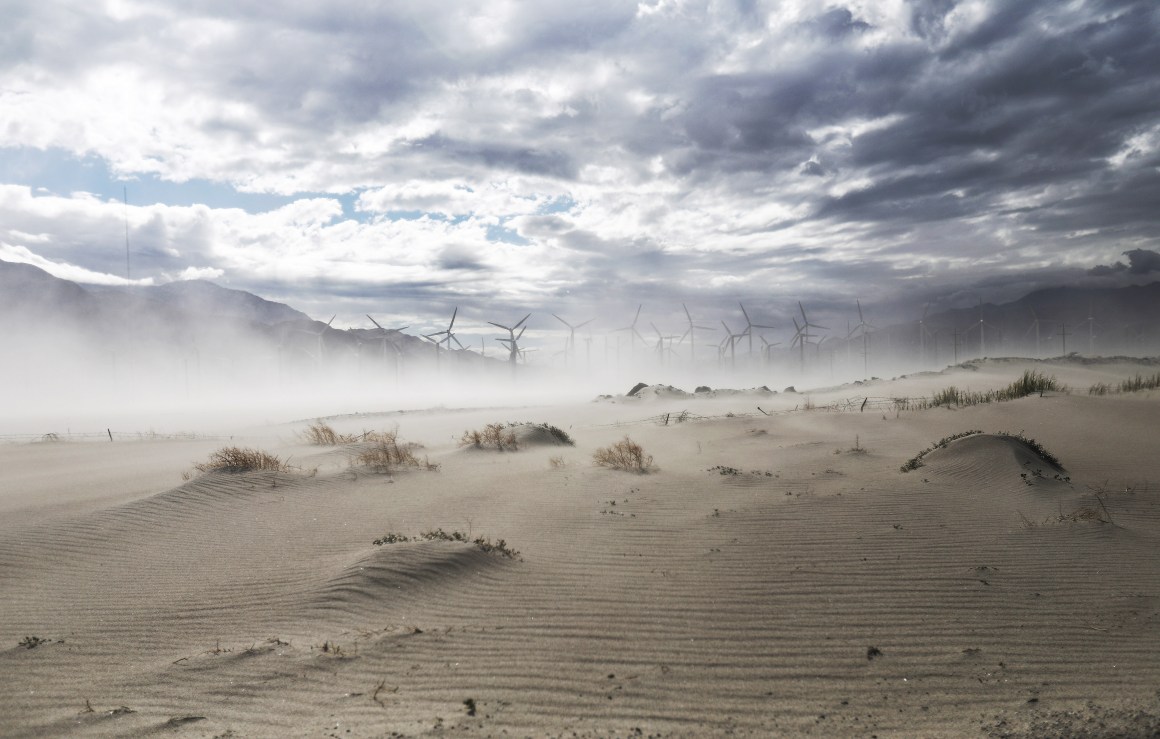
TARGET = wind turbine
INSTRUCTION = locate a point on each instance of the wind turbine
(633, 334)
(923, 334)
(864, 330)
(1091, 323)
(802, 334)
(767, 349)
(386, 341)
(1034, 327)
(982, 326)
(513, 339)
(749, 326)
(732, 339)
(691, 333)
(447, 334)
(570, 346)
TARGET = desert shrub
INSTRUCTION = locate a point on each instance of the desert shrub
(917, 460)
(321, 434)
(557, 462)
(496, 436)
(625, 455)
(441, 535)
(557, 433)
(241, 459)
(386, 454)
(499, 547)
(1100, 388)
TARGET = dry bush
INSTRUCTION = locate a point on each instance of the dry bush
(625, 455)
(321, 434)
(387, 454)
(493, 436)
(557, 462)
(241, 459)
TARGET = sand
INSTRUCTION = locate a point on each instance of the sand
(775, 574)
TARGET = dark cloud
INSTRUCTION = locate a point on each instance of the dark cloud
(1140, 262)
(838, 22)
(529, 160)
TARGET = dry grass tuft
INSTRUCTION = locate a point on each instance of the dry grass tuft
(387, 454)
(625, 455)
(242, 459)
(321, 434)
(493, 436)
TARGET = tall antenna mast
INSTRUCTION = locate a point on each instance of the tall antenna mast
(125, 194)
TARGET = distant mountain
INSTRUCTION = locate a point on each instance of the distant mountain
(208, 300)
(1048, 322)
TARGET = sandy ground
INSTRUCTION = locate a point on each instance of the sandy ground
(773, 575)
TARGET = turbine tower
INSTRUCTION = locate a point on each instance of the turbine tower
(802, 334)
(691, 333)
(513, 339)
(570, 346)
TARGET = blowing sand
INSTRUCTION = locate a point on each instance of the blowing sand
(773, 575)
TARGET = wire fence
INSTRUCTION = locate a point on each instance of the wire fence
(109, 435)
(857, 404)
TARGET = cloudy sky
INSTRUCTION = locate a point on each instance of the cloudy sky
(582, 157)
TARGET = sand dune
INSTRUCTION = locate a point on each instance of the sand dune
(776, 574)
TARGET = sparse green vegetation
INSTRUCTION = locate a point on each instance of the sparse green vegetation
(916, 461)
(625, 455)
(242, 459)
(1130, 385)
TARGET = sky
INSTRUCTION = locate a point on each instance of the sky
(584, 157)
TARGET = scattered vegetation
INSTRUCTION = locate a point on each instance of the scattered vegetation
(557, 462)
(386, 454)
(1032, 382)
(321, 434)
(1083, 513)
(242, 459)
(487, 546)
(496, 436)
(1130, 385)
(1035, 447)
(32, 642)
(502, 436)
(625, 455)
(916, 461)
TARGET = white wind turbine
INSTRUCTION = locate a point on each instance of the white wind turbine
(802, 334)
(513, 339)
(1091, 324)
(749, 326)
(1034, 327)
(982, 325)
(633, 334)
(570, 345)
(385, 340)
(923, 334)
(864, 330)
(691, 333)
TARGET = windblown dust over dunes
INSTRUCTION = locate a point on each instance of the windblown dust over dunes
(776, 574)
